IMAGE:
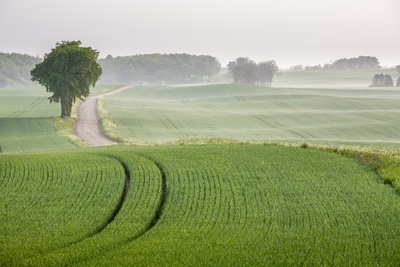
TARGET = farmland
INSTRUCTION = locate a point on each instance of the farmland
(222, 205)
(27, 120)
(178, 199)
(362, 116)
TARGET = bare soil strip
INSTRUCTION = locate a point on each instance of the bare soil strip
(88, 126)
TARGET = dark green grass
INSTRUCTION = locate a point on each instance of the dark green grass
(30, 134)
(235, 205)
(49, 202)
(140, 204)
(266, 206)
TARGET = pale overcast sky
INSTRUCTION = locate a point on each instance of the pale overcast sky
(289, 31)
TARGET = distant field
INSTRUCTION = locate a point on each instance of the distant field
(360, 116)
(220, 205)
(330, 79)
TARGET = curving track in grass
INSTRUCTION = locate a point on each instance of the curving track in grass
(51, 201)
(136, 213)
(265, 206)
(212, 205)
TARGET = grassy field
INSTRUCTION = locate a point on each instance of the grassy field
(222, 205)
(27, 120)
(236, 204)
(330, 79)
(362, 116)
(53, 201)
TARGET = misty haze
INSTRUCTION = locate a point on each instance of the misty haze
(199, 133)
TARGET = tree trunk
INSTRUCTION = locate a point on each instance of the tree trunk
(66, 106)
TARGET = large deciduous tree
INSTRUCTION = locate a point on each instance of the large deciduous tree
(68, 71)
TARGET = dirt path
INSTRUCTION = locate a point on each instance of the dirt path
(88, 126)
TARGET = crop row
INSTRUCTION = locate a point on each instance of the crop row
(212, 205)
(51, 201)
(30, 134)
(141, 202)
(262, 205)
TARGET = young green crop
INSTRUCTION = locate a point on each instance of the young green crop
(136, 215)
(265, 206)
(209, 205)
(52, 201)
(365, 116)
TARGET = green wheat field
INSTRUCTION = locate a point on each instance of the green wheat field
(305, 173)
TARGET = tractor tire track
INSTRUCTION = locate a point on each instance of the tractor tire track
(100, 229)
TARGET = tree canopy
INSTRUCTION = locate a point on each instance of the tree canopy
(381, 80)
(159, 69)
(355, 63)
(68, 71)
(244, 70)
(15, 69)
(361, 62)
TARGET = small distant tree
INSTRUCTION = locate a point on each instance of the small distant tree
(297, 68)
(243, 70)
(387, 80)
(266, 72)
(381, 80)
(398, 68)
(398, 82)
(68, 71)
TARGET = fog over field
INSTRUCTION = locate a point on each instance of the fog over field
(288, 31)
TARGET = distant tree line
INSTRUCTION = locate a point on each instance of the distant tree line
(158, 69)
(361, 62)
(245, 70)
(15, 69)
(384, 80)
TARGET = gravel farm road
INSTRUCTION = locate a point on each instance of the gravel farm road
(88, 126)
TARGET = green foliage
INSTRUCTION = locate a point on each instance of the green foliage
(380, 80)
(225, 205)
(159, 69)
(108, 126)
(385, 163)
(68, 71)
(15, 69)
(361, 62)
(246, 71)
